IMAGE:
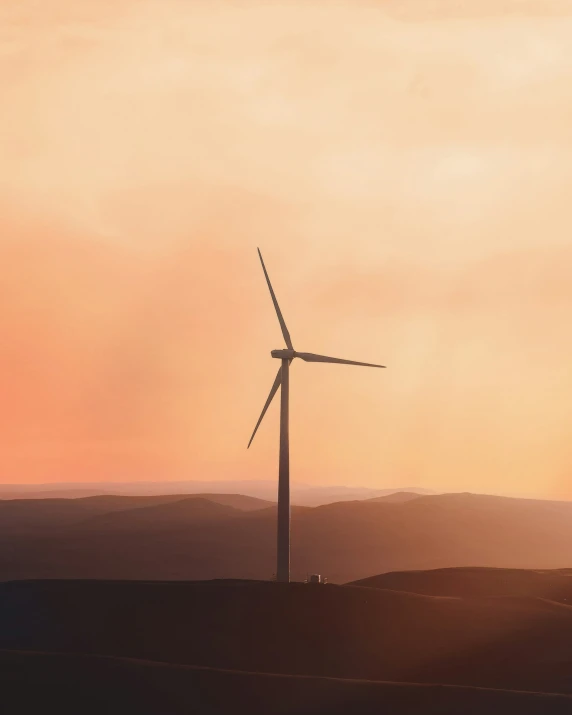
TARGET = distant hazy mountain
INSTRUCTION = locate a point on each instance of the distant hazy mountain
(396, 497)
(234, 536)
(42, 516)
(302, 494)
(319, 496)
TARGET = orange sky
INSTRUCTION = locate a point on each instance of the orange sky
(406, 174)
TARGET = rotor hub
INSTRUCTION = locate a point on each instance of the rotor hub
(284, 354)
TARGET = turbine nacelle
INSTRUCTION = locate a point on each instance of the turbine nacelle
(284, 354)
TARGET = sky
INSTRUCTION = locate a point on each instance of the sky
(404, 167)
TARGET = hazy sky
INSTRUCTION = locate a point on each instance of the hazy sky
(407, 176)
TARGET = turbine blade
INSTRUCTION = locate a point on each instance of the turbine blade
(310, 357)
(275, 387)
(285, 332)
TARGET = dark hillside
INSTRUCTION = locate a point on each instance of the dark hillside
(335, 631)
(93, 685)
(471, 582)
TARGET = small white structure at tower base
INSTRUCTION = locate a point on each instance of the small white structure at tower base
(316, 578)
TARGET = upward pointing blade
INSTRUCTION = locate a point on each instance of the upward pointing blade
(285, 332)
(310, 357)
(275, 387)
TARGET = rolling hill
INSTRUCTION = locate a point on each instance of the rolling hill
(233, 536)
(22, 516)
(471, 582)
(159, 517)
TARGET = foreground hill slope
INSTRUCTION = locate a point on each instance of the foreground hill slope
(93, 685)
(471, 582)
(334, 631)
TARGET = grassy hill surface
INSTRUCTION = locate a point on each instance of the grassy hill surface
(93, 685)
(471, 582)
(515, 643)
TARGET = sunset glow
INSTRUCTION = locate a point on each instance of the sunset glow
(406, 175)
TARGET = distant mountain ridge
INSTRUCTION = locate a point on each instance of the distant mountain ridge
(302, 494)
(396, 497)
(21, 516)
(234, 536)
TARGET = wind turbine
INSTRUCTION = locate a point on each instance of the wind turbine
(283, 379)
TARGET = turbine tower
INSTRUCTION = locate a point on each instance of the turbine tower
(283, 380)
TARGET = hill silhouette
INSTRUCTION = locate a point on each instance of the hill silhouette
(298, 629)
(302, 494)
(18, 516)
(158, 517)
(471, 582)
(234, 536)
(395, 498)
(97, 684)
